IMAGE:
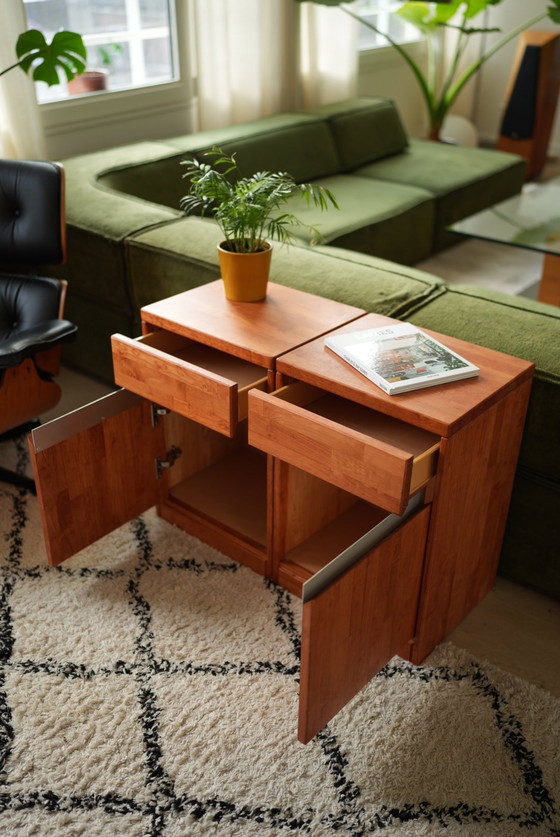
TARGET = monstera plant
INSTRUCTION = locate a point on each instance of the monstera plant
(66, 52)
(439, 93)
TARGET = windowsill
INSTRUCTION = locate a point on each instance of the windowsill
(387, 56)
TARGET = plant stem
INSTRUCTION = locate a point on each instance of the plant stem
(454, 90)
(402, 52)
(11, 67)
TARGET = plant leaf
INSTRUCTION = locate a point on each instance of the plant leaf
(66, 52)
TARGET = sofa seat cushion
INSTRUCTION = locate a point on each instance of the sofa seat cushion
(181, 255)
(364, 129)
(389, 220)
(465, 180)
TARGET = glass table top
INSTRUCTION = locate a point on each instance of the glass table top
(530, 220)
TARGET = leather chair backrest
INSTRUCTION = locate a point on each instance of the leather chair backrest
(31, 213)
(26, 301)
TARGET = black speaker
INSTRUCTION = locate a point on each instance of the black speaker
(519, 116)
(531, 99)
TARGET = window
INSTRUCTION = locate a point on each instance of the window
(134, 40)
(381, 13)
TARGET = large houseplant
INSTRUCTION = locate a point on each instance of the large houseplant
(432, 19)
(248, 211)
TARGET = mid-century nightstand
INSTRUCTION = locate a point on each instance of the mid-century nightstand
(385, 513)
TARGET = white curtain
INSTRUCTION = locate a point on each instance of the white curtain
(329, 54)
(21, 131)
(259, 57)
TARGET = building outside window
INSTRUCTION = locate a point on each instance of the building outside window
(135, 40)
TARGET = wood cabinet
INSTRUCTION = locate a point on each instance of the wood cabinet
(385, 513)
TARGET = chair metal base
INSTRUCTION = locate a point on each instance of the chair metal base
(18, 480)
(11, 477)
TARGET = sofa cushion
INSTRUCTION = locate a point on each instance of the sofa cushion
(465, 180)
(301, 145)
(91, 206)
(388, 220)
(306, 151)
(180, 255)
(521, 328)
(364, 130)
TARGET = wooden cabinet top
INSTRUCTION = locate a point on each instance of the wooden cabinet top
(255, 331)
(441, 409)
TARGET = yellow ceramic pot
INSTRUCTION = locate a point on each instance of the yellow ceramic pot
(245, 275)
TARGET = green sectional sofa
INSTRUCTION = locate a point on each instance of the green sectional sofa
(129, 244)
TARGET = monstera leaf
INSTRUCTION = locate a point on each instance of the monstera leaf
(66, 52)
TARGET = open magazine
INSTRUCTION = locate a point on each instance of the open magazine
(400, 358)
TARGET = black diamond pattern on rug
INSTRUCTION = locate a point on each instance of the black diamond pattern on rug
(148, 688)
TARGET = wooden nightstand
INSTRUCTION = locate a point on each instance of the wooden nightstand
(385, 513)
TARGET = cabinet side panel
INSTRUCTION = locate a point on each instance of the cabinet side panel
(353, 628)
(473, 491)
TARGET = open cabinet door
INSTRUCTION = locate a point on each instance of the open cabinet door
(95, 470)
(352, 628)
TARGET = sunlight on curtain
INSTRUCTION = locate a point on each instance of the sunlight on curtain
(246, 57)
(257, 58)
(329, 54)
(21, 131)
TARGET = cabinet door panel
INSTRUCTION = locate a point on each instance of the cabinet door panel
(94, 470)
(354, 627)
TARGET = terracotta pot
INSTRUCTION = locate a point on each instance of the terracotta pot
(245, 275)
(88, 82)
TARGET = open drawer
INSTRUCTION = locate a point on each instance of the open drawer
(371, 455)
(189, 378)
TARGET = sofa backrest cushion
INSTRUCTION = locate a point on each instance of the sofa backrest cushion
(306, 151)
(157, 181)
(364, 130)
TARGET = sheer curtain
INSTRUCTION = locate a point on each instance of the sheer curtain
(256, 58)
(329, 54)
(21, 131)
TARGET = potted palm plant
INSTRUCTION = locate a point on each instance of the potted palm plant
(248, 211)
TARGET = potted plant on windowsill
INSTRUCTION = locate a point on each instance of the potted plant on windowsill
(97, 78)
(248, 211)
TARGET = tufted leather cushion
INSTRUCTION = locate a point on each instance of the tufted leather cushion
(29, 318)
(30, 212)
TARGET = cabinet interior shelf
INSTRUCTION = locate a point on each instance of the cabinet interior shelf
(231, 491)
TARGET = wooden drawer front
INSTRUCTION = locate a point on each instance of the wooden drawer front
(196, 381)
(285, 425)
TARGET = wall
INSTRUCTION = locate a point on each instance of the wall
(382, 72)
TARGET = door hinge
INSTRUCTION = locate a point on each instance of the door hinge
(157, 413)
(172, 456)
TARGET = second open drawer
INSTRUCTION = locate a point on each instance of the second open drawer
(195, 380)
(371, 455)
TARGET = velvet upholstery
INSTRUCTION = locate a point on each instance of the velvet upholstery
(129, 244)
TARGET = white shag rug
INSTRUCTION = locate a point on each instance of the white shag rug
(148, 688)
